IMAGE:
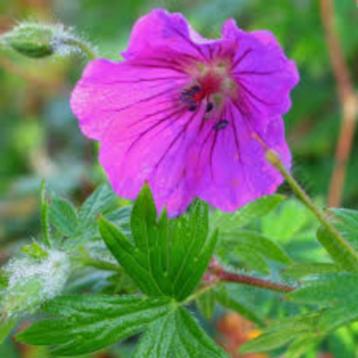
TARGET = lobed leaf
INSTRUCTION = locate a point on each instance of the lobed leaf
(164, 257)
(63, 216)
(177, 335)
(84, 324)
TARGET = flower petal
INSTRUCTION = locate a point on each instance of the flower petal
(264, 74)
(110, 91)
(155, 152)
(168, 32)
(230, 163)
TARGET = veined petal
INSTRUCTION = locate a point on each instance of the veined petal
(264, 75)
(110, 91)
(165, 31)
(230, 162)
(155, 152)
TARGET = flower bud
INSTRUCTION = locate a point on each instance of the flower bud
(40, 40)
(32, 40)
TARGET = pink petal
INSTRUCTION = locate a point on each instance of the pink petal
(110, 91)
(230, 163)
(265, 76)
(166, 32)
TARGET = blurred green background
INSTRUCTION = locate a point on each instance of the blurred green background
(39, 137)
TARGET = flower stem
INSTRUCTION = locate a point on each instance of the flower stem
(350, 261)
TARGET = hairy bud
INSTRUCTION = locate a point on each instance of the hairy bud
(40, 40)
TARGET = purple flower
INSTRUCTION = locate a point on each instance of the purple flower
(190, 116)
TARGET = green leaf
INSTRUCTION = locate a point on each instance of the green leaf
(206, 304)
(281, 333)
(246, 214)
(233, 303)
(347, 223)
(342, 254)
(300, 346)
(84, 324)
(45, 227)
(35, 251)
(330, 289)
(254, 249)
(63, 216)
(5, 328)
(288, 220)
(177, 335)
(101, 201)
(299, 270)
(165, 257)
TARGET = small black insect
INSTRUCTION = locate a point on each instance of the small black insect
(209, 107)
(220, 124)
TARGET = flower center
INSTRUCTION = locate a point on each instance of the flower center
(211, 82)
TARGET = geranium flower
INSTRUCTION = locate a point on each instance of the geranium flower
(190, 116)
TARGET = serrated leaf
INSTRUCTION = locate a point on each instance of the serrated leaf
(101, 201)
(165, 257)
(330, 289)
(63, 216)
(246, 214)
(177, 335)
(84, 324)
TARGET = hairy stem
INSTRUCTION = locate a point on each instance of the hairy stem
(351, 257)
(225, 276)
(348, 101)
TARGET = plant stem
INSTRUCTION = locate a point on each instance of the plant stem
(45, 226)
(351, 256)
(82, 46)
(253, 281)
(348, 101)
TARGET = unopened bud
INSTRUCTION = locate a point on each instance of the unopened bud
(40, 40)
(31, 40)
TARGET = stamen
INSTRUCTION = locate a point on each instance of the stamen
(221, 124)
(191, 97)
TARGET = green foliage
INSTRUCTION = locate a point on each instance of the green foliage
(346, 221)
(167, 257)
(89, 323)
(63, 217)
(294, 330)
(242, 243)
(177, 335)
